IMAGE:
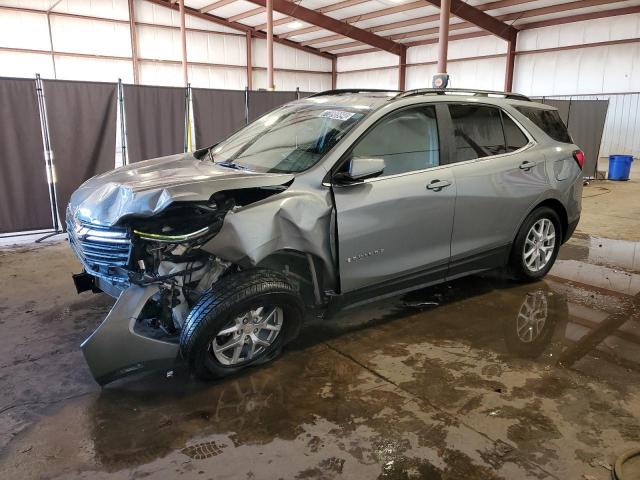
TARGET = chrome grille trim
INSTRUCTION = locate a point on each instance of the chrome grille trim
(103, 251)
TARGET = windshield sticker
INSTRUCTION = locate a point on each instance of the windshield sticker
(337, 114)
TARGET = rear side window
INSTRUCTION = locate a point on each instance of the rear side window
(514, 138)
(482, 131)
(548, 121)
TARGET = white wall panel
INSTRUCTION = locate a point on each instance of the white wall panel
(93, 69)
(90, 36)
(116, 9)
(288, 57)
(590, 31)
(147, 12)
(420, 76)
(217, 77)
(216, 48)
(471, 47)
(33, 4)
(164, 74)
(606, 69)
(483, 74)
(306, 82)
(19, 64)
(159, 43)
(367, 60)
(24, 30)
(383, 79)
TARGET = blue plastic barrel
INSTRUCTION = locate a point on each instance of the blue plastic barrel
(619, 167)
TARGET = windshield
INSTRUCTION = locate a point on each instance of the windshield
(290, 139)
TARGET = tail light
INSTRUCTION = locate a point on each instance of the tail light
(578, 155)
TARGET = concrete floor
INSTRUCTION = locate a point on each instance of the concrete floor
(440, 384)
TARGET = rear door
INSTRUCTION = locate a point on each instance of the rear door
(396, 228)
(498, 178)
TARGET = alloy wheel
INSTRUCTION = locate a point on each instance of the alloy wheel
(247, 336)
(539, 245)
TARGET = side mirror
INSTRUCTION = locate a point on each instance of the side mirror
(360, 169)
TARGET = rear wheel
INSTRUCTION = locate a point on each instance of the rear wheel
(536, 246)
(243, 320)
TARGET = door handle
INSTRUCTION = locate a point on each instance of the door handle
(527, 165)
(437, 185)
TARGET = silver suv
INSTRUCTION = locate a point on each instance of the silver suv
(323, 203)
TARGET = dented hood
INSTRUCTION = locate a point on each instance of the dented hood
(146, 188)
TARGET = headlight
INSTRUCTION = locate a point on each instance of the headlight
(179, 223)
(161, 237)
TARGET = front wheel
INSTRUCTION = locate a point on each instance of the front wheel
(536, 246)
(243, 320)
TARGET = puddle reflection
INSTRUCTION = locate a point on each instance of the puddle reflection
(548, 322)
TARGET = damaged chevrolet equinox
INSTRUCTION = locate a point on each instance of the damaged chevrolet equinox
(327, 202)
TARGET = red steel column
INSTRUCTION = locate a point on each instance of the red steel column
(443, 36)
(334, 73)
(183, 36)
(134, 42)
(511, 60)
(249, 61)
(402, 69)
(270, 83)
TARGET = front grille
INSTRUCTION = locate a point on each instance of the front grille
(104, 251)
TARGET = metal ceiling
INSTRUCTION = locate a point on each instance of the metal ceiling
(352, 26)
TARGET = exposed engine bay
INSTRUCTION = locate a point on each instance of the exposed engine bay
(156, 267)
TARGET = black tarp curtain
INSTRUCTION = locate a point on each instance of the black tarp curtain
(82, 127)
(24, 195)
(585, 121)
(155, 121)
(82, 131)
(217, 114)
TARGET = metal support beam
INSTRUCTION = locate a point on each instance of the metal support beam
(270, 83)
(249, 13)
(214, 5)
(239, 27)
(328, 23)
(476, 16)
(443, 36)
(183, 37)
(402, 69)
(134, 42)
(328, 8)
(511, 60)
(249, 61)
(334, 73)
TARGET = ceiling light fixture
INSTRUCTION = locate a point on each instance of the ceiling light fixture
(295, 25)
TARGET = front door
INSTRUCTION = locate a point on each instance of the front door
(396, 228)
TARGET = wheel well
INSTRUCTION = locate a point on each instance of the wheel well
(557, 207)
(306, 271)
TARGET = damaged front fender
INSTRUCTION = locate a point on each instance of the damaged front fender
(297, 220)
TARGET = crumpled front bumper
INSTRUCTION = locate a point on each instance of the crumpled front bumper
(115, 350)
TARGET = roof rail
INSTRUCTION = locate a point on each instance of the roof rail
(467, 91)
(351, 90)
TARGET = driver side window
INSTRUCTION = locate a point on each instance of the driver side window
(407, 141)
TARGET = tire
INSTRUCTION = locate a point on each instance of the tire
(232, 304)
(519, 267)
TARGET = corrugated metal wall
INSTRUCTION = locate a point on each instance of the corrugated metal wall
(587, 73)
(216, 54)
